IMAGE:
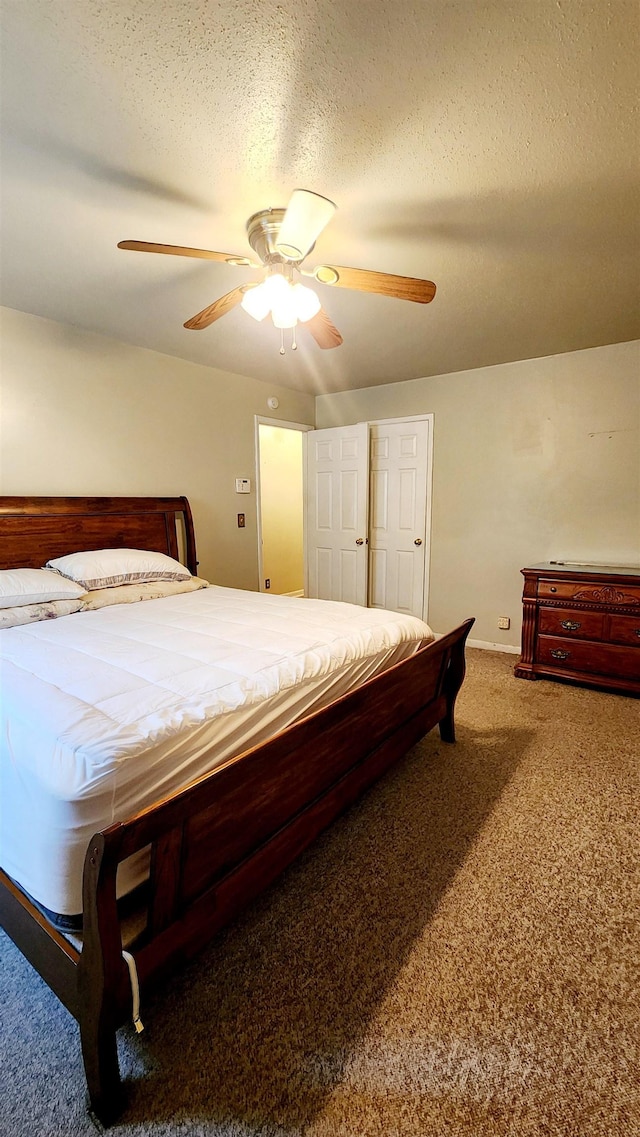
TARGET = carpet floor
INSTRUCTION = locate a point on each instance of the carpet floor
(458, 955)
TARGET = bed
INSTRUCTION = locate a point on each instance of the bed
(194, 815)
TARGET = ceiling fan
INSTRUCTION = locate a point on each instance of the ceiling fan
(283, 239)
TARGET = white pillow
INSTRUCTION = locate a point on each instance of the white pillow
(34, 586)
(132, 593)
(33, 613)
(103, 568)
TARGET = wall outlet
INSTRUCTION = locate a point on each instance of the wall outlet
(267, 583)
(241, 516)
(504, 622)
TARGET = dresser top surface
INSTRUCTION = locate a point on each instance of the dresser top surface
(561, 568)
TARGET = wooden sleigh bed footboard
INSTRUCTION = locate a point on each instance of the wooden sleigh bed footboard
(218, 843)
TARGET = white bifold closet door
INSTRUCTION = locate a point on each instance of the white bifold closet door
(366, 502)
(336, 511)
(398, 515)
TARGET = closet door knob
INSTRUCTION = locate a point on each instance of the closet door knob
(418, 541)
(359, 541)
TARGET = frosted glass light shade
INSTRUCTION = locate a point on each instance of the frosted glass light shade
(256, 302)
(306, 302)
(259, 301)
(276, 287)
(306, 216)
(283, 312)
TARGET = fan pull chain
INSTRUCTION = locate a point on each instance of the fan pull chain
(294, 346)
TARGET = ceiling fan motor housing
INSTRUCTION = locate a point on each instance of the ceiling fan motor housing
(262, 231)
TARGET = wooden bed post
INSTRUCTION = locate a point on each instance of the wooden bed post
(100, 977)
(453, 677)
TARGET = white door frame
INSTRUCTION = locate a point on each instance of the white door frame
(429, 417)
(261, 420)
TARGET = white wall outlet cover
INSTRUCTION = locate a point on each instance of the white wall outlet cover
(273, 403)
(243, 485)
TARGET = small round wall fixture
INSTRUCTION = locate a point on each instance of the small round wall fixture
(273, 403)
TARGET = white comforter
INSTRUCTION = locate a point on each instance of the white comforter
(105, 712)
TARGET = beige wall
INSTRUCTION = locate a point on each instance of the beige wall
(533, 461)
(282, 504)
(83, 414)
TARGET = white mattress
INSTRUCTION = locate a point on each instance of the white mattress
(105, 712)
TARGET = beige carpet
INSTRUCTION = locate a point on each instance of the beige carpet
(458, 955)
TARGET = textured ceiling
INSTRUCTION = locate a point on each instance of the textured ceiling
(488, 145)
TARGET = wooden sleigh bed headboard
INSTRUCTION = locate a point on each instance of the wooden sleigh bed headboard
(33, 530)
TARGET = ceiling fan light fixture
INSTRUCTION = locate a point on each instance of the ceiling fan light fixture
(306, 216)
(287, 303)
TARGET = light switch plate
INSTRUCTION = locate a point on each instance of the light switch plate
(243, 485)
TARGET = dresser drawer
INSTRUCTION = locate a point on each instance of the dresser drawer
(557, 589)
(587, 656)
(625, 630)
(590, 592)
(577, 623)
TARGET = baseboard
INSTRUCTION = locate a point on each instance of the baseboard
(486, 646)
(300, 592)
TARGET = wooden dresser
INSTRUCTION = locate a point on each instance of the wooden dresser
(581, 622)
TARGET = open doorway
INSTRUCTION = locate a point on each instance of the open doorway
(280, 503)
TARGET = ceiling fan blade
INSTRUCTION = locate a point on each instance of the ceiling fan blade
(305, 217)
(384, 283)
(181, 251)
(219, 308)
(323, 331)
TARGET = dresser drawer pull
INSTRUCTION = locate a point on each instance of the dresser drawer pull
(553, 588)
(570, 625)
(638, 633)
(557, 654)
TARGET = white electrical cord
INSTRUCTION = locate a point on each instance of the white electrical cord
(135, 990)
